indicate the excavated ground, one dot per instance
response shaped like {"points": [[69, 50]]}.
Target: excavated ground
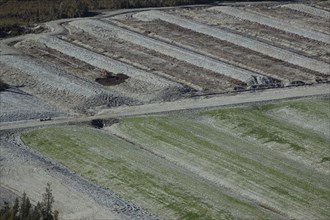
{"points": [[294, 17], [272, 36], [325, 5], [160, 64], [223, 50]]}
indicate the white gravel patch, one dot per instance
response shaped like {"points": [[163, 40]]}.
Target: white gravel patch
{"points": [[239, 40], [105, 31], [18, 105], [274, 23], [308, 10], [142, 85]]}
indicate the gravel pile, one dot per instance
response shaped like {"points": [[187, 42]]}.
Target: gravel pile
{"points": [[239, 40], [18, 105], [105, 31], [308, 10], [141, 85], [274, 23], [56, 85]]}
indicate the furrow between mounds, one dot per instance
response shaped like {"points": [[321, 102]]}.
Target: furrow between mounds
{"points": [[102, 30], [274, 23], [308, 10], [57, 86], [242, 41], [140, 85]]}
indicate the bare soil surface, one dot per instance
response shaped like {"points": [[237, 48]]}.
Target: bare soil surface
{"points": [[53, 84], [225, 51], [104, 30], [275, 22], [160, 64], [309, 10], [325, 5], [294, 17], [263, 33], [141, 85], [250, 43]]}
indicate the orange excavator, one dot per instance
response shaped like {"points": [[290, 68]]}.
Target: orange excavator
{"points": [[105, 74]]}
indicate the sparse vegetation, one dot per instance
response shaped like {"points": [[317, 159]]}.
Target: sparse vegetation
{"points": [[183, 167], [25, 211]]}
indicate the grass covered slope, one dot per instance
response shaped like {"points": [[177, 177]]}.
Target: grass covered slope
{"points": [[136, 174], [252, 162]]}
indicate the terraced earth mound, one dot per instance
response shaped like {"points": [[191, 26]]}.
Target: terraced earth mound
{"points": [[171, 54]]}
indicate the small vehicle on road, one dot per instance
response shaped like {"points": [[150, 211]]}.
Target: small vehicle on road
{"points": [[46, 119]]}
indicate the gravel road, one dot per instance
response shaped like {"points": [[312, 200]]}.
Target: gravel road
{"points": [[240, 40], [186, 104]]}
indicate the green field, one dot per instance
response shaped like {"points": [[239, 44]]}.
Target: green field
{"points": [[259, 162]]}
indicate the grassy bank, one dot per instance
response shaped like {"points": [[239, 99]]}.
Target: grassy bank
{"points": [[232, 163]]}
